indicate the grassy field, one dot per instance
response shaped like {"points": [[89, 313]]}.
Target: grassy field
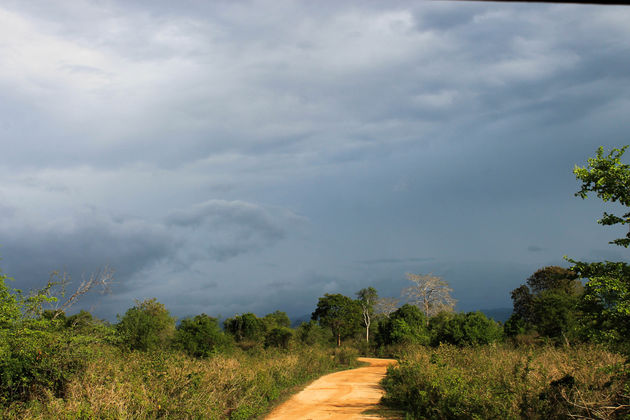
{"points": [[134, 385], [504, 382]]}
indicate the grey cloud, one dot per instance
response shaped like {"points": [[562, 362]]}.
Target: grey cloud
{"points": [[227, 229], [395, 260], [307, 101], [222, 212], [535, 248], [142, 111], [139, 251], [81, 245]]}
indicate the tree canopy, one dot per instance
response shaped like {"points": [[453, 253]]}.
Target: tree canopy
{"points": [[547, 304], [339, 313], [609, 179], [430, 293], [147, 326], [606, 298]]}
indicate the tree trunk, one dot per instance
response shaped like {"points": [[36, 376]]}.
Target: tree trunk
{"points": [[338, 339]]}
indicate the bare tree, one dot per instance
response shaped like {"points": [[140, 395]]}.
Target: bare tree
{"points": [[386, 305], [430, 293], [101, 279], [367, 299]]}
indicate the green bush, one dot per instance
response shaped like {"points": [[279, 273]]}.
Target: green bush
{"points": [[311, 333], [279, 337], [146, 326], [9, 306], [246, 328], [37, 356], [465, 329], [346, 356], [200, 336], [406, 325], [276, 319], [34, 362]]}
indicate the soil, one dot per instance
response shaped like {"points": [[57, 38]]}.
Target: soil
{"points": [[350, 394]]}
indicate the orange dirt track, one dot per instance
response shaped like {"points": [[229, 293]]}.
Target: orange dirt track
{"points": [[341, 395]]}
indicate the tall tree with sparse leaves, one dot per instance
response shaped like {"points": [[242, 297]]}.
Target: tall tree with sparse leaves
{"points": [[429, 293], [367, 298]]}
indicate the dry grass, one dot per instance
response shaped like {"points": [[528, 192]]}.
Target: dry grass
{"points": [[506, 382], [118, 385]]}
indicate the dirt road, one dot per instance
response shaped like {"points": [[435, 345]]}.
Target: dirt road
{"points": [[340, 395]]}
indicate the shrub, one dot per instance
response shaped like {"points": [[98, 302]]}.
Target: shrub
{"points": [[146, 326], [80, 321], [279, 337], [276, 319], [472, 328], [346, 355], [405, 325], [9, 306], [311, 333], [501, 382], [246, 328], [34, 362], [200, 336], [150, 385]]}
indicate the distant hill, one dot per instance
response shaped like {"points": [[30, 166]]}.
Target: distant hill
{"points": [[498, 314]]}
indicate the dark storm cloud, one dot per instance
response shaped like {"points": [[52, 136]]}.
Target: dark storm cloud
{"points": [[179, 141], [220, 212], [216, 230], [80, 245], [227, 229]]}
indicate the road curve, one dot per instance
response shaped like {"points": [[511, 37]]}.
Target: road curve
{"points": [[340, 395]]}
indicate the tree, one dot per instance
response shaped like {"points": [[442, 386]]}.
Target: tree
{"points": [[14, 305], [367, 298], [79, 321], [405, 325], [467, 329], [605, 304], [146, 326], [311, 333], [547, 303], [339, 313], [385, 306], [279, 337], [606, 298], [100, 279], [246, 327], [200, 336], [277, 319], [430, 293], [609, 179]]}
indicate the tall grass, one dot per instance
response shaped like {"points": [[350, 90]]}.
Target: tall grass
{"points": [[125, 385], [503, 382]]}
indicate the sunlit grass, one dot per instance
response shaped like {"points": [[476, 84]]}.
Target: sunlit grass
{"points": [[125, 385], [506, 382]]}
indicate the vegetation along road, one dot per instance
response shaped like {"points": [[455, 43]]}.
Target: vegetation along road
{"points": [[341, 395]]}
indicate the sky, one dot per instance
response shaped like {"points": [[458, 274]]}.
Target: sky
{"points": [[235, 156]]}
